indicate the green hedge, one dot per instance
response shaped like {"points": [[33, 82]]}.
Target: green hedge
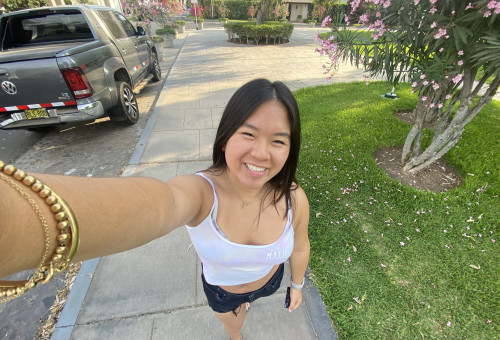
{"points": [[336, 11], [269, 32]]}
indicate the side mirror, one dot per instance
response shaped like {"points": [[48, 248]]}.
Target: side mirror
{"points": [[140, 30]]}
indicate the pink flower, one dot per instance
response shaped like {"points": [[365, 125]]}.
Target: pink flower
{"points": [[469, 6], [363, 19], [416, 2], [433, 1], [460, 62], [460, 52], [424, 98], [402, 244], [440, 33], [354, 5], [326, 22], [487, 14], [434, 24], [422, 76], [458, 78], [414, 84], [440, 105], [433, 10], [448, 324], [378, 15], [441, 49], [346, 18], [435, 86], [493, 4]]}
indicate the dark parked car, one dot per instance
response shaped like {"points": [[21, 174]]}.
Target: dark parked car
{"points": [[71, 64]]}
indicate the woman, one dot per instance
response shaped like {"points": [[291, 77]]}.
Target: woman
{"points": [[245, 215]]}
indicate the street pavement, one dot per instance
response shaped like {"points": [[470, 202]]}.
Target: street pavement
{"points": [[154, 291]]}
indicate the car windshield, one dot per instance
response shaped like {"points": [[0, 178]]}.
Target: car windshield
{"points": [[50, 27]]}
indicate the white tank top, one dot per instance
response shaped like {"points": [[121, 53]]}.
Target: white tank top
{"points": [[226, 263]]}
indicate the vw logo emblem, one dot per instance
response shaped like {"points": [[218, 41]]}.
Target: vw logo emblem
{"points": [[9, 87]]}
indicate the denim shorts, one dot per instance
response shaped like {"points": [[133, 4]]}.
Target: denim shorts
{"points": [[222, 301]]}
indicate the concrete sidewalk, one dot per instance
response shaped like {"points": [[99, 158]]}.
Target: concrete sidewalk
{"points": [[154, 292]]}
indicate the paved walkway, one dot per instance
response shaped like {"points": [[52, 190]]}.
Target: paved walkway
{"points": [[154, 292]]}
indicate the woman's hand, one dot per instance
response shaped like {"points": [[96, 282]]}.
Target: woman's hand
{"points": [[295, 299]]}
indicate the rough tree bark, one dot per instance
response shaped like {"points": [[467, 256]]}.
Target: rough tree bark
{"points": [[450, 126], [262, 10]]}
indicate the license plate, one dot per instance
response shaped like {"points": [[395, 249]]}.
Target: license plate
{"points": [[36, 113]]}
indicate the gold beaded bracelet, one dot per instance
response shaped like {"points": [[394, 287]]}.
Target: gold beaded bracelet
{"points": [[67, 238]]}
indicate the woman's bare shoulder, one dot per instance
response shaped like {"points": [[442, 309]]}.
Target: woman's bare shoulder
{"points": [[300, 204], [192, 193], [298, 194]]}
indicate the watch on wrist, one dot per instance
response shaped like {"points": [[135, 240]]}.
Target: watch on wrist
{"points": [[296, 286]]}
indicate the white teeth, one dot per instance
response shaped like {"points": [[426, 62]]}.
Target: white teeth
{"points": [[254, 168]]}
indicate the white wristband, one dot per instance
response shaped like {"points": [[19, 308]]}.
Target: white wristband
{"points": [[296, 286]]}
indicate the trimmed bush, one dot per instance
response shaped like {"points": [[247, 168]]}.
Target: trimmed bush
{"points": [[269, 32], [165, 31]]}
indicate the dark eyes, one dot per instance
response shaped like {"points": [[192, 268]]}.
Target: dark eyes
{"points": [[249, 134]]}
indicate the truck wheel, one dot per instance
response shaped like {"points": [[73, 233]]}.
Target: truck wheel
{"points": [[155, 68], [127, 108]]}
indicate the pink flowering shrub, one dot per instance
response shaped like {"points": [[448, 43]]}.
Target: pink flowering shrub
{"points": [[281, 11], [251, 11], [152, 11], [439, 46], [196, 11], [317, 12]]}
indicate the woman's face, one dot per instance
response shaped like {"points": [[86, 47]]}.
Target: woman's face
{"points": [[258, 150]]}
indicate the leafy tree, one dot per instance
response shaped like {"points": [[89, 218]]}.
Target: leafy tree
{"points": [[437, 45], [16, 5], [262, 10]]}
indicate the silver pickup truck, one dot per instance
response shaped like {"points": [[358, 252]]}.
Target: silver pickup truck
{"points": [[71, 64]]}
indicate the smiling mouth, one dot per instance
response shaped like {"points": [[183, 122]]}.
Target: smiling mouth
{"points": [[254, 168]]}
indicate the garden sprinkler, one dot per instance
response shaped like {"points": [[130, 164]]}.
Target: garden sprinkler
{"points": [[391, 95]]}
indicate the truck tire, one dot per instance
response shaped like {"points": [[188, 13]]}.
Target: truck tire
{"points": [[155, 68], [127, 109]]}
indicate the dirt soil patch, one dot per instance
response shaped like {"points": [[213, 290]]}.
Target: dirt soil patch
{"points": [[408, 117], [437, 178]]}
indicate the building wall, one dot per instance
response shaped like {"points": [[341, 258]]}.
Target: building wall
{"points": [[296, 9]]}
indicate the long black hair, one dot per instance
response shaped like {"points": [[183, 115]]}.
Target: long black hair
{"points": [[242, 104]]}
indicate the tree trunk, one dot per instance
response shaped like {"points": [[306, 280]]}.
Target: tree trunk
{"points": [[448, 132], [262, 10]]}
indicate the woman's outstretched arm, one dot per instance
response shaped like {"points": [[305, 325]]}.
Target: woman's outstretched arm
{"points": [[300, 255], [113, 214]]}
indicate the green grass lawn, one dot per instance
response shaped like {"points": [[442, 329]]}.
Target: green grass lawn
{"points": [[391, 261]]}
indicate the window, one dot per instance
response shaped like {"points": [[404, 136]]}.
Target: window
{"points": [[127, 26], [113, 25], [49, 27]]}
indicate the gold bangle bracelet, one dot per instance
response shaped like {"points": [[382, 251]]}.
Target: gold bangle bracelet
{"points": [[67, 238]]}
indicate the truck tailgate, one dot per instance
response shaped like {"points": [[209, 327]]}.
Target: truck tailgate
{"points": [[32, 82]]}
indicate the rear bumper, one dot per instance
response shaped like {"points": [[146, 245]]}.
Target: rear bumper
{"points": [[74, 114]]}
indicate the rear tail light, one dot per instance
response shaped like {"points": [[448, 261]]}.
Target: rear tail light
{"points": [[77, 82]]}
